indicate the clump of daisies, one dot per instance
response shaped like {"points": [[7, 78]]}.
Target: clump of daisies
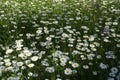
{"points": [[59, 40]]}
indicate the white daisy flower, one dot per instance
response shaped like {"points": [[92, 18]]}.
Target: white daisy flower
{"points": [[8, 51], [27, 52], [109, 78], [8, 63], [103, 66], [34, 58], [91, 38], [31, 65], [19, 63], [68, 71], [50, 69], [85, 66], [19, 44], [62, 64], [75, 65], [114, 70], [63, 60], [30, 74], [58, 79]]}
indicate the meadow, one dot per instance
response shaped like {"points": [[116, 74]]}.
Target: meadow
{"points": [[59, 40]]}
